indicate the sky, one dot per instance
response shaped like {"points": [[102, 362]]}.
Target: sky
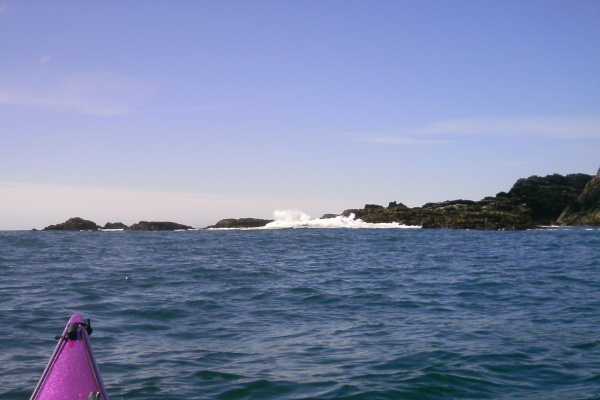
{"points": [[195, 111]]}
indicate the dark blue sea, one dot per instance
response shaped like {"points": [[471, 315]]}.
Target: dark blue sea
{"points": [[310, 313]]}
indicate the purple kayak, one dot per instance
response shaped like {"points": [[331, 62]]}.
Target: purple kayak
{"points": [[72, 372]]}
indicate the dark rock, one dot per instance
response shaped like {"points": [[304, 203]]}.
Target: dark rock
{"points": [[394, 204], [548, 196], [458, 214], [531, 202], [487, 214], [74, 224], [453, 204], [158, 226], [585, 210], [240, 223], [329, 216], [115, 225]]}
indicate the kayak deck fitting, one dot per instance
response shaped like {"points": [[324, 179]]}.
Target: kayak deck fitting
{"points": [[72, 372]]}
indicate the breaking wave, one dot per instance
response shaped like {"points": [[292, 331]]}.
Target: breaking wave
{"points": [[297, 219]]}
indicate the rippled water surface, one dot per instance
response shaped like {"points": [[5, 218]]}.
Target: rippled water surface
{"points": [[310, 313]]}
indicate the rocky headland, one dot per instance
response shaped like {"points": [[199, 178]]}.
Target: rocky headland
{"points": [[585, 210], [532, 202]]}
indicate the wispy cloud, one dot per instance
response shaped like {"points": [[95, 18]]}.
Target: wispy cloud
{"points": [[588, 149], [563, 127], [98, 93], [45, 59], [285, 94], [515, 163], [267, 97], [392, 139], [559, 127]]}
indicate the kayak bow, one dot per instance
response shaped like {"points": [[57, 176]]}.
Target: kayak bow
{"points": [[72, 372]]}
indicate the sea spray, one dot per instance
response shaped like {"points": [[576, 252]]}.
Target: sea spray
{"points": [[285, 219]]}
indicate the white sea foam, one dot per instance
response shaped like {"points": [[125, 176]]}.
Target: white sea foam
{"points": [[297, 219]]}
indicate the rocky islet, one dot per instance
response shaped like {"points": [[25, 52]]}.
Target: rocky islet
{"points": [[80, 224]]}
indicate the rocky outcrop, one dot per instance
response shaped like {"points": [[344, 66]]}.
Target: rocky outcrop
{"points": [[115, 225], [488, 214], [158, 226], [549, 196], [240, 223], [531, 202], [329, 216], [80, 224], [74, 224], [585, 210]]}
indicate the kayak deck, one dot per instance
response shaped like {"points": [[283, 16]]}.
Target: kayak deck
{"points": [[72, 372]]}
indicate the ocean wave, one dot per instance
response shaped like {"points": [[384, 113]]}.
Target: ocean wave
{"points": [[285, 219]]}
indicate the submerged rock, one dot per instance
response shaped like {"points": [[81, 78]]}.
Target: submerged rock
{"points": [[158, 226], [74, 224], [240, 223]]}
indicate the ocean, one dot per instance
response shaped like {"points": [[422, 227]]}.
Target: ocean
{"points": [[310, 313]]}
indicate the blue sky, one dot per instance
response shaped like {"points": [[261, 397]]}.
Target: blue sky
{"points": [[195, 111]]}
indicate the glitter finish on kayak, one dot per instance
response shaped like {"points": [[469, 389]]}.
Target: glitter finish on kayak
{"points": [[71, 373]]}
